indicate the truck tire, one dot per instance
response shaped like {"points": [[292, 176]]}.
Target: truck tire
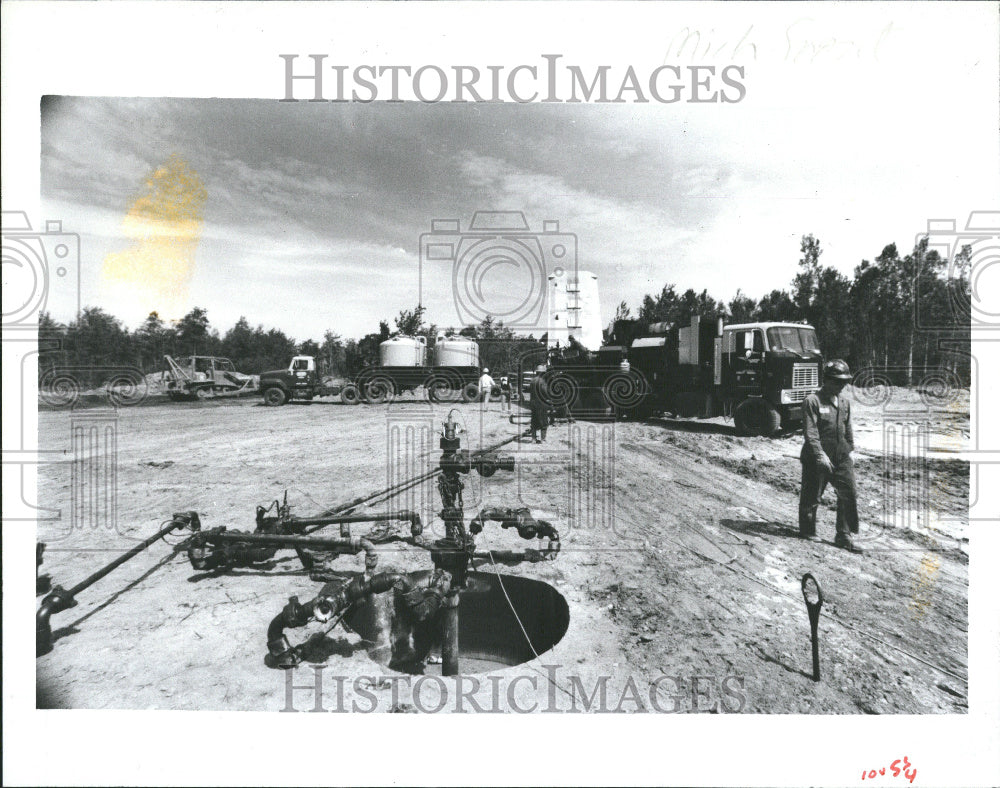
{"points": [[755, 417], [350, 395], [470, 392], [442, 387], [380, 390], [275, 396]]}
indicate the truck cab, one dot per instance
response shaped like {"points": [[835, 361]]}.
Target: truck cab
{"points": [[767, 370], [300, 380], [301, 366]]}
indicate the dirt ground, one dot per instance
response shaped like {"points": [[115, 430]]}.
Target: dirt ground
{"points": [[680, 563]]}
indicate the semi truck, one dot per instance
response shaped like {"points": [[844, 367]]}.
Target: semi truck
{"points": [[452, 374], [756, 373]]}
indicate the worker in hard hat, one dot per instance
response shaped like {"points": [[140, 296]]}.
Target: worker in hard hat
{"points": [[826, 456], [485, 386], [505, 392], [540, 404]]}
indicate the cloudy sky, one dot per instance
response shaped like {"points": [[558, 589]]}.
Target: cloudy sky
{"points": [[312, 213]]}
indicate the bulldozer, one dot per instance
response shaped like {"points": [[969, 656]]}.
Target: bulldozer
{"points": [[203, 377]]}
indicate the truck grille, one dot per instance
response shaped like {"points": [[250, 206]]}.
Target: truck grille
{"points": [[805, 376], [797, 395]]}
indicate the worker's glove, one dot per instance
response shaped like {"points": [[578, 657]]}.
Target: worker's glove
{"points": [[824, 464]]}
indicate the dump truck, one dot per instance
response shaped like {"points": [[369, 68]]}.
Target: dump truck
{"points": [[756, 373], [202, 377]]}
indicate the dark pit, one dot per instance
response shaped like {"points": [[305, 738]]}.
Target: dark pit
{"points": [[489, 636]]}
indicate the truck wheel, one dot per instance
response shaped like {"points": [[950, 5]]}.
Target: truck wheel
{"points": [[350, 395], [470, 392], [755, 417], [380, 390], [275, 396], [443, 387]]}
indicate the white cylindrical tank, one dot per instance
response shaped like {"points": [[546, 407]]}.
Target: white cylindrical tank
{"points": [[402, 352], [574, 309], [456, 352]]}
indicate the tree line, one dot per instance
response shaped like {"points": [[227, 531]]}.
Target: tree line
{"points": [[908, 315], [97, 342], [869, 320]]}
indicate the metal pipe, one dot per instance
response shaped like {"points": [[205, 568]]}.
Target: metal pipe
{"points": [[422, 602], [295, 614], [449, 634], [59, 599], [353, 543], [405, 485], [316, 523]]}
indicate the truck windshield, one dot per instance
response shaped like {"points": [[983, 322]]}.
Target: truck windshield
{"points": [[798, 340]]}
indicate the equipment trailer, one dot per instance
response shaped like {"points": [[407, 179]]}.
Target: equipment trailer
{"points": [[376, 385]]}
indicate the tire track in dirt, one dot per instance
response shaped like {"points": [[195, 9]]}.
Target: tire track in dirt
{"points": [[716, 493]]}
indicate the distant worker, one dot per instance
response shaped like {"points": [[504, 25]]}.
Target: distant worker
{"points": [[504, 393], [539, 404], [826, 456], [485, 386]]}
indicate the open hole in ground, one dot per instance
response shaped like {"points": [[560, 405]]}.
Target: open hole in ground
{"points": [[489, 636]]}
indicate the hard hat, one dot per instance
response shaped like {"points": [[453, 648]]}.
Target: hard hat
{"points": [[485, 370], [837, 369], [540, 368]]}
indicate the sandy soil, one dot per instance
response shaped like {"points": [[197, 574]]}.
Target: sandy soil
{"points": [[680, 563]]}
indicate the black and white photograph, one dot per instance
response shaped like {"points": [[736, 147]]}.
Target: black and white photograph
{"points": [[542, 361]]}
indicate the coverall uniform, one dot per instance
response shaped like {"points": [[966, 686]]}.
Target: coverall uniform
{"points": [[827, 428], [486, 387], [505, 394], [539, 407]]}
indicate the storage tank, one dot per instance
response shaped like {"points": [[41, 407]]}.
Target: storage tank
{"points": [[456, 352], [402, 352], [574, 309]]}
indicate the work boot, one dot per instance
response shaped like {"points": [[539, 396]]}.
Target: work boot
{"points": [[844, 541]]}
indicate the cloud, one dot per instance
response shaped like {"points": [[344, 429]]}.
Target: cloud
{"points": [[313, 213]]}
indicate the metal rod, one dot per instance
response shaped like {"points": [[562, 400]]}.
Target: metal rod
{"points": [[59, 599], [815, 643], [126, 556], [813, 595]]}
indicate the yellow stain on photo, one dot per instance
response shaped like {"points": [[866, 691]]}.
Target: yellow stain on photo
{"points": [[165, 222]]}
